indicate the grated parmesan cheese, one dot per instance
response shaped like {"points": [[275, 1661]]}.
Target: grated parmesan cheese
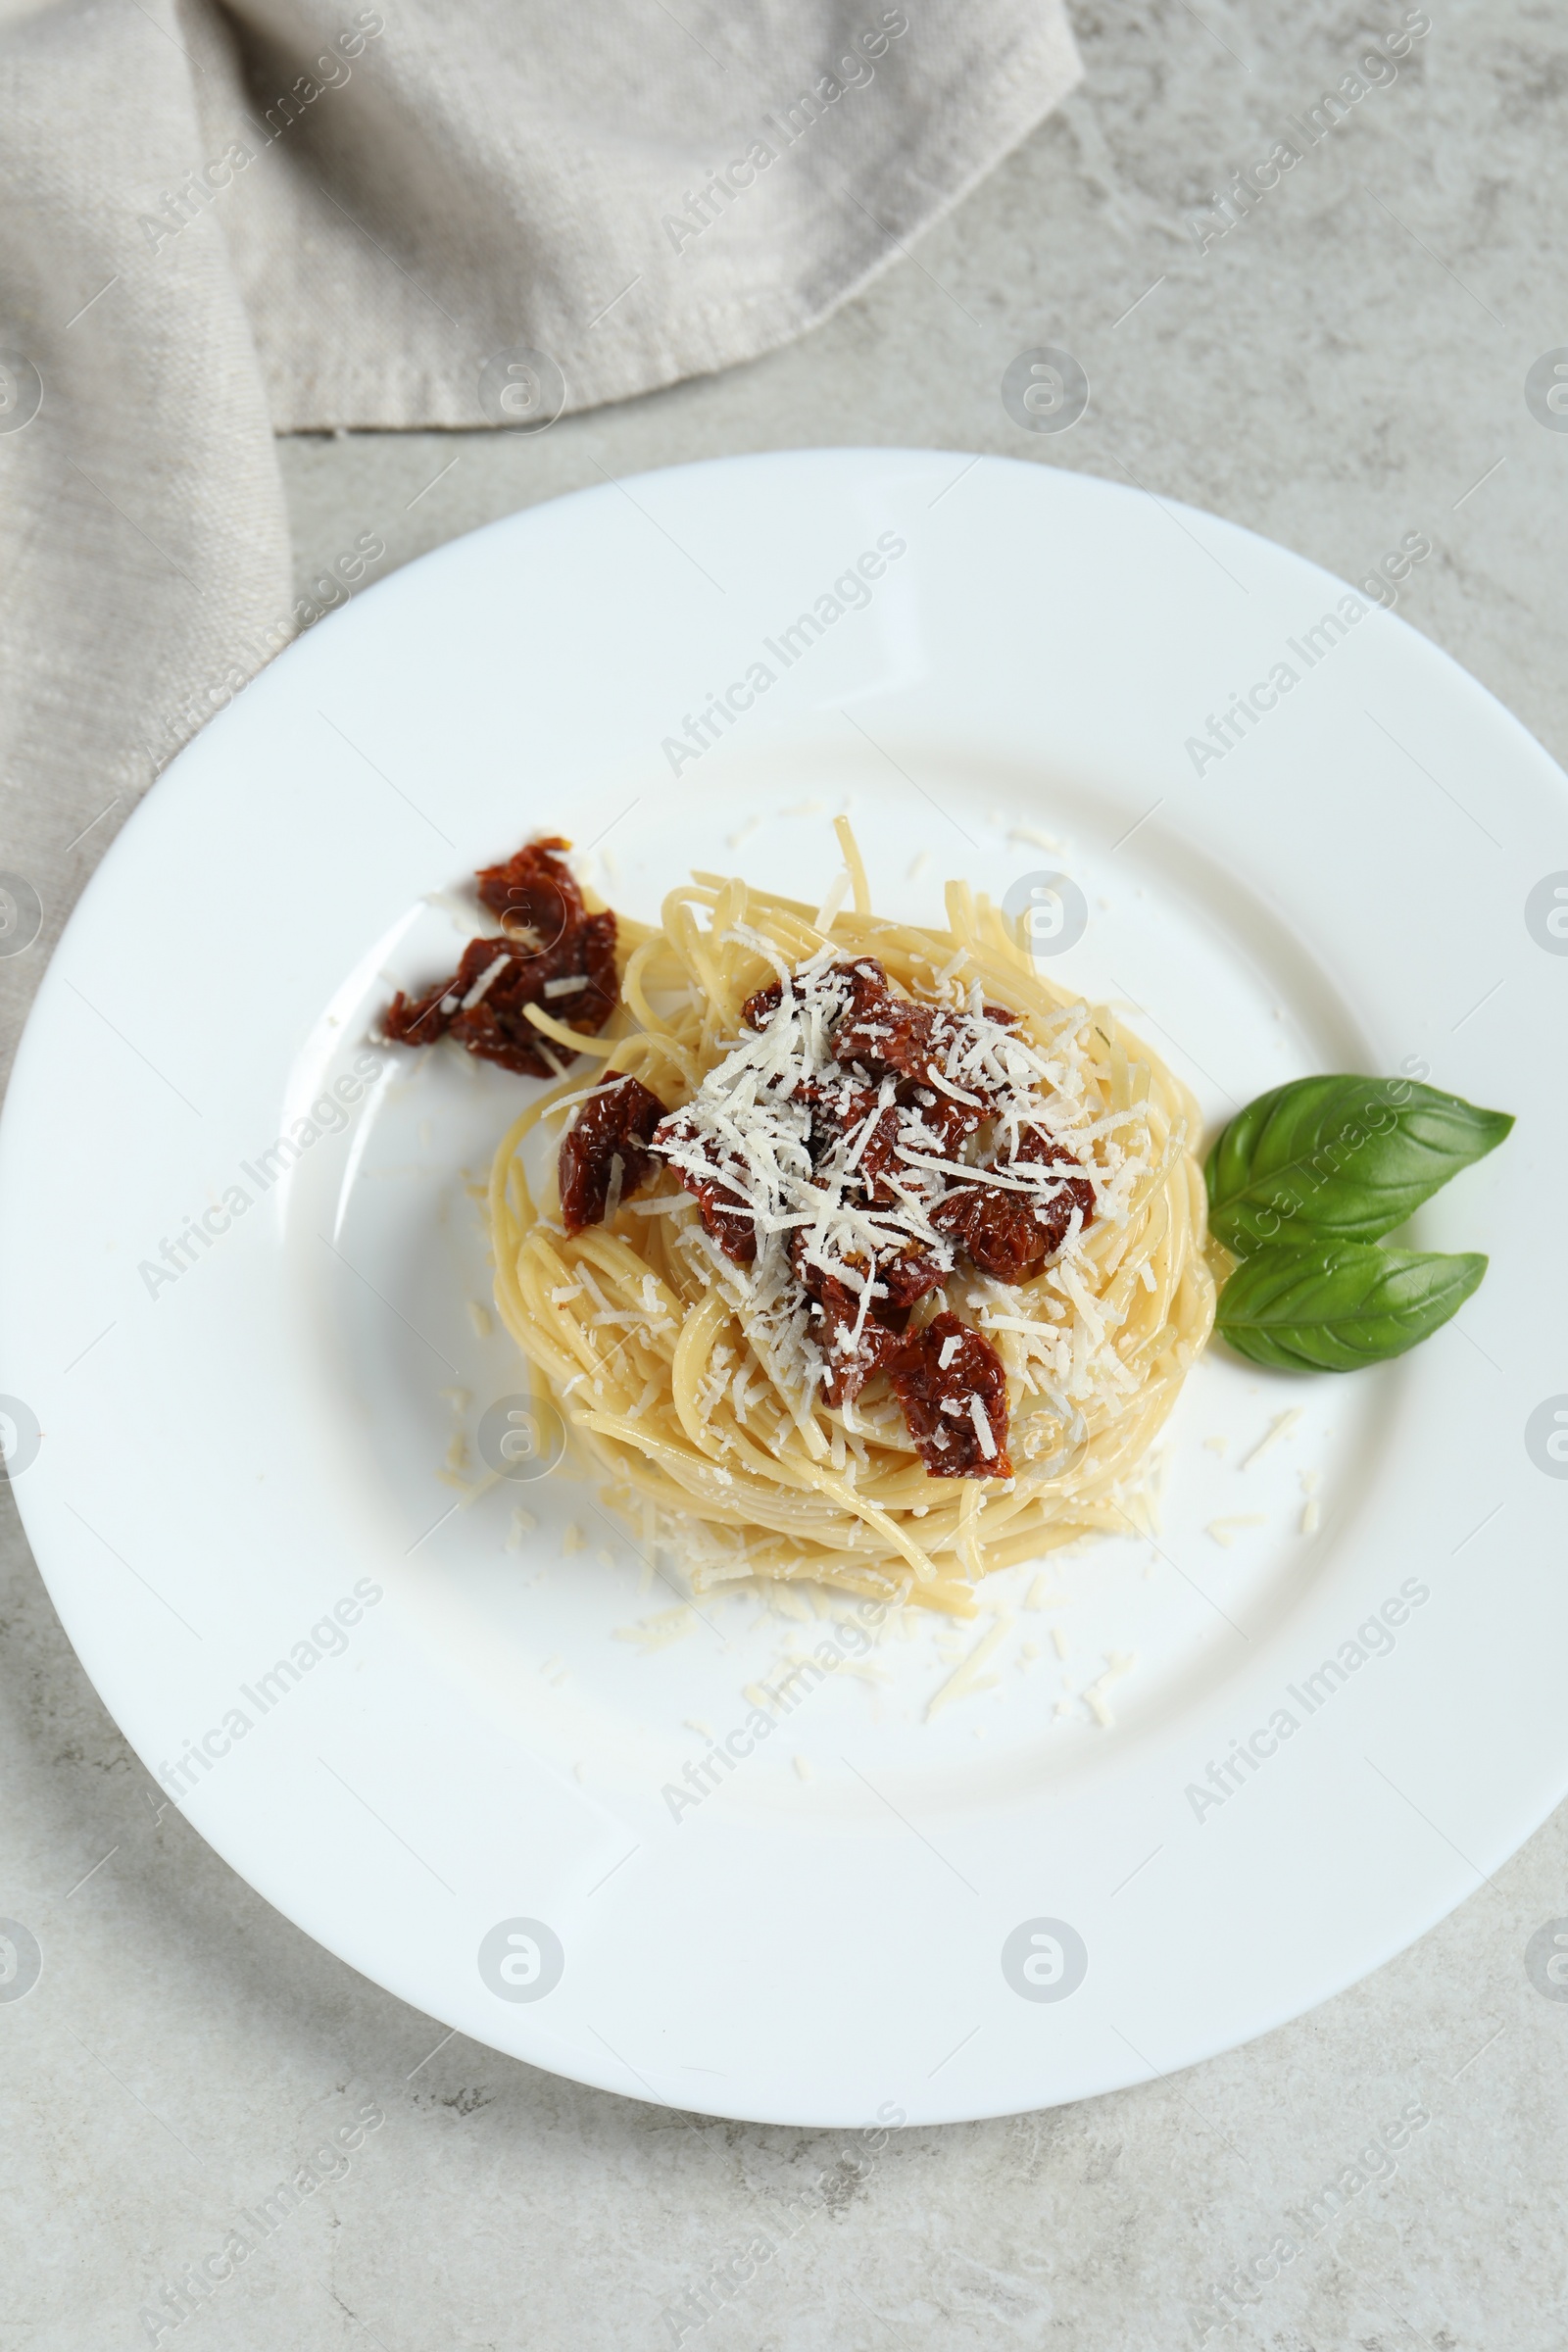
{"points": [[1310, 1508], [786, 1603], [1041, 1598], [1279, 1427], [1116, 1665], [747, 1132], [966, 1680], [491, 973], [1225, 1531], [651, 1634]]}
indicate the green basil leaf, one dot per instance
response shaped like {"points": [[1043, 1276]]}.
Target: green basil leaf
{"points": [[1333, 1307], [1347, 1157]]}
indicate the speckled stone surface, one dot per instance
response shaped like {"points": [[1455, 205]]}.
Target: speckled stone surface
{"points": [[1341, 366]]}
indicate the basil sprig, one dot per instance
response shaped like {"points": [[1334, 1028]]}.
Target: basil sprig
{"points": [[1302, 1185], [1348, 1156], [1337, 1306]]}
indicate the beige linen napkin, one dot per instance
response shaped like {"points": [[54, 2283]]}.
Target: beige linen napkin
{"points": [[217, 224]]}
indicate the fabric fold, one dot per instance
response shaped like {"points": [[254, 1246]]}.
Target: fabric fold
{"points": [[305, 215]]}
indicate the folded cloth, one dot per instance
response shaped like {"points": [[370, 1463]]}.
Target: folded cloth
{"points": [[292, 215]]}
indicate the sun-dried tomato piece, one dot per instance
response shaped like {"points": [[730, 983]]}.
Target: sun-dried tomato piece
{"points": [[884, 1035], [900, 1277], [759, 1008], [867, 983], [939, 1400], [840, 1116], [534, 893], [420, 1020], [1011, 1234], [1038, 1148], [998, 1229], [847, 1362], [498, 1027], [495, 1026], [907, 1274], [1041, 1149], [1008, 1234], [949, 1124], [615, 1125], [720, 1195], [485, 965], [484, 1004]]}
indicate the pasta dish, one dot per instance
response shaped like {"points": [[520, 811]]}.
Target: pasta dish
{"points": [[867, 1256]]}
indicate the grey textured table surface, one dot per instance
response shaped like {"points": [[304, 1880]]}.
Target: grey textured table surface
{"points": [[1345, 365]]}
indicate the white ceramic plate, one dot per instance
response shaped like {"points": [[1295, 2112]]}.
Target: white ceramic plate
{"points": [[485, 1735]]}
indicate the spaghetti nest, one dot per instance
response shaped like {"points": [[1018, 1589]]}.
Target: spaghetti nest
{"points": [[715, 1436]]}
